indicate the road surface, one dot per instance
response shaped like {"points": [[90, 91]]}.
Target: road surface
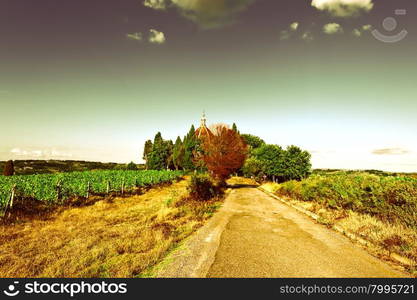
{"points": [[254, 235]]}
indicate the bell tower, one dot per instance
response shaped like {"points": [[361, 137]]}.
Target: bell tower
{"points": [[203, 120]]}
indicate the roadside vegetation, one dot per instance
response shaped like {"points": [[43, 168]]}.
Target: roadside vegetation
{"points": [[378, 208]]}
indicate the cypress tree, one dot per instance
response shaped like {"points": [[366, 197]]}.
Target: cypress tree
{"points": [[146, 150], [158, 156], [169, 160], [190, 145], [177, 154]]}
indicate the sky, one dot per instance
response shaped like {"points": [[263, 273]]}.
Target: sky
{"points": [[92, 80]]}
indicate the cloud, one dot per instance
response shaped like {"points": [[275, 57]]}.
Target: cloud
{"points": [[332, 28], [390, 151], [40, 153], [358, 32], [137, 36], [288, 33], [207, 13], [294, 26], [156, 37], [284, 35], [366, 27], [156, 4], [307, 36], [343, 8]]}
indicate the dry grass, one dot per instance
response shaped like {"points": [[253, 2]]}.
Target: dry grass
{"points": [[241, 181], [385, 238], [270, 187], [117, 238]]}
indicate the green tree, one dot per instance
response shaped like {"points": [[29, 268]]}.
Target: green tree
{"points": [[146, 150], [158, 157], [234, 127], [253, 141], [131, 166], [169, 148], [270, 157], [178, 154], [252, 167], [296, 164], [190, 146]]}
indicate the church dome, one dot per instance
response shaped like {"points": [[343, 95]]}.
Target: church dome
{"points": [[203, 131]]}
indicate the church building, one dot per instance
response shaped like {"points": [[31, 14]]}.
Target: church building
{"points": [[203, 130]]}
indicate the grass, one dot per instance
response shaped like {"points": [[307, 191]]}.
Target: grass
{"points": [[391, 199], [122, 237], [385, 235]]}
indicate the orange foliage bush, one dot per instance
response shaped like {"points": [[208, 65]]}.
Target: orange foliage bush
{"points": [[224, 152]]}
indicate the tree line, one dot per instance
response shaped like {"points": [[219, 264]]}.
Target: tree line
{"points": [[161, 154], [228, 152], [266, 161]]}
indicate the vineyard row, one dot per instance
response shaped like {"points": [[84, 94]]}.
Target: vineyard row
{"points": [[55, 188]]}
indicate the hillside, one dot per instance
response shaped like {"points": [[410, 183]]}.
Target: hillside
{"points": [[29, 167]]}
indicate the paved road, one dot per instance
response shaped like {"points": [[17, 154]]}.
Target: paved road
{"points": [[254, 235]]}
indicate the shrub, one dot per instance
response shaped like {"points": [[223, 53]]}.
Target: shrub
{"points": [[252, 167], [202, 188], [131, 166], [392, 199], [8, 168], [224, 152]]}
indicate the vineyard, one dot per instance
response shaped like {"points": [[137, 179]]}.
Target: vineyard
{"points": [[56, 188]]}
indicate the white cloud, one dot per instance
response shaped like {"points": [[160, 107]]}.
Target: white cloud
{"points": [[137, 36], [156, 4], [40, 153], [288, 33], [343, 8], [307, 36], [358, 32], [294, 26], [332, 28], [367, 27], [156, 37], [390, 151], [206, 13]]}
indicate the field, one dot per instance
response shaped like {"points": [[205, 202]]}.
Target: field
{"points": [[380, 209], [57, 188], [114, 237]]}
